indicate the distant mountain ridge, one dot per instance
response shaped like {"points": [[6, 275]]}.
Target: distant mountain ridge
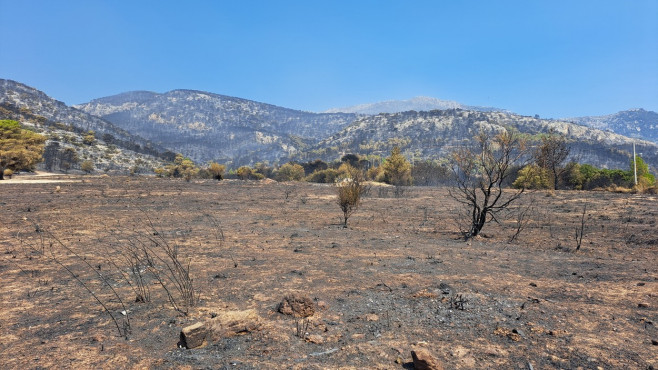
{"points": [[418, 103], [235, 131], [207, 126], [636, 123], [436, 133]]}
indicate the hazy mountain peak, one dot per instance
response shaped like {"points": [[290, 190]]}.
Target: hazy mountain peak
{"points": [[418, 103]]}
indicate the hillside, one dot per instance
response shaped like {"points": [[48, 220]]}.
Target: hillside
{"points": [[418, 103], [206, 126], [434, 134], [113, 149], [635, 123]]}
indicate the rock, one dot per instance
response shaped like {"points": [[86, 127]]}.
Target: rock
{"points": [[372, 317], [299, 306], [423, 360], [654, 342], [446, 288], [315, 338], [193, 336], [643, 305], [230, 323]]}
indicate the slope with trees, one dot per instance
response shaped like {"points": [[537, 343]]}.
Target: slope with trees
{"points": [[20, 149]]}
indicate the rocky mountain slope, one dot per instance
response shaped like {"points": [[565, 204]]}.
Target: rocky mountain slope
{"points": [[434, 134], [419, 103], [206, 126], [635, 123], [112, 148]]}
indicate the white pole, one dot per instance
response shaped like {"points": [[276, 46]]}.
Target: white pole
{"points": [[634, 164]]}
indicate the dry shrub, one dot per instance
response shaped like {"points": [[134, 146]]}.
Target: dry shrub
{"points": [[620, 189], [651, 190], [349, 191]]}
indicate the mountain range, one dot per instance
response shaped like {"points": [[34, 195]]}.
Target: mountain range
{"points": [[636, 123], [206, 126]]}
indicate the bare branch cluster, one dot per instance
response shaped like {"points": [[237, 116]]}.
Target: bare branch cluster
{"points": [[480, 174]]}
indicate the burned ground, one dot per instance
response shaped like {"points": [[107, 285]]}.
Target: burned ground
{"points": [[398, 278]]}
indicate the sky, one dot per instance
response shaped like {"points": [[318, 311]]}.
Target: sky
{"points": [[554, 58]]}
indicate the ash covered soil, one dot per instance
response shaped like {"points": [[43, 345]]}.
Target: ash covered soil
{"points": [[398, 278]]}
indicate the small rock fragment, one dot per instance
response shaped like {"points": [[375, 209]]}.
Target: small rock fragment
{"points": [[372, 317], [643, 305], [654, 342], [193, 336], [315, 338], [423, 360]]}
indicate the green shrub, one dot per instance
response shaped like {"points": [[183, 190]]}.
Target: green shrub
{"points": [[532, 177], [327, 176], [290, 172]]}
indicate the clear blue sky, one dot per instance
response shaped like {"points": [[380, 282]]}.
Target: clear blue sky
{"points": [[554, 58]]}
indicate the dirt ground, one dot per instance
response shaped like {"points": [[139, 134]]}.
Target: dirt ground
{"points": [[397, 279]]}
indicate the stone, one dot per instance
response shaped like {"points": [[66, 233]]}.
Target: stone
{"points": [[315, 338], [296, 305], [423, 360], [193, 336], [372, 317], [229, 323], [643, 305]]}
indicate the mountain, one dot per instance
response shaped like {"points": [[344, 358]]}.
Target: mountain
{"points": [[65, 127], [435, 134], [206, 126], [635, 123], [419, 103]]}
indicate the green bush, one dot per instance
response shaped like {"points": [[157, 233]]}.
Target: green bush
{"points": [[532, 177], [290, 172], [327, 176]]}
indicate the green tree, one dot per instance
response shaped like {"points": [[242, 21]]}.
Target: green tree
{"points": [[19, 148], [243, 173], [644, 178], [397, 170], [290, 172], [532, 177], [216, 170], [181, 167], [550, 155]]}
